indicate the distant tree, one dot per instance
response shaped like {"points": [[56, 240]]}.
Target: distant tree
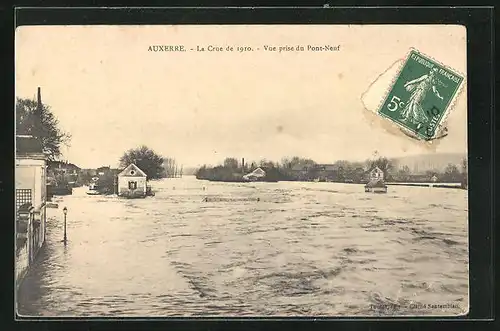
{"points": [[169, 167], [297, 162], [41, 123], [286, 163], [231, 163], [345, 170], [305, 166], [201, 173], [452, 174], [403, 173], [356, 165], [266, 164], [106, 181], [464, 173], [146, 159]]}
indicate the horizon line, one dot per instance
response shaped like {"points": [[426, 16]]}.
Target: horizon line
{"points": [[107, 164]]}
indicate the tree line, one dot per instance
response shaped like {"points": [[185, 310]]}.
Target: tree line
{"points": [[39, 121], [304, 169]]}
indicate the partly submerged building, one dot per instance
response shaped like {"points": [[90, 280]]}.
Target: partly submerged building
{"points": [[63, 167], [376, 174], [257, 174], [31, 196], [132, 182], [376, 182]]}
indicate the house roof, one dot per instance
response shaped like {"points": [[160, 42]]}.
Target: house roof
{"points": [[327, 167], [63, 164], [28, 145], [257, 173], [376, 169], [132, 171]]}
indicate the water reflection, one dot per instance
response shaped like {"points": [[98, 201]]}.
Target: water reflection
{"points": [[300, 249]]}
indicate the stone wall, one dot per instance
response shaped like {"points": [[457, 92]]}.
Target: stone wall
{"points": [[22, 263]]}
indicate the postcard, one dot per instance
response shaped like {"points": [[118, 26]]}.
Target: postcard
{"points": [[241, 171]]}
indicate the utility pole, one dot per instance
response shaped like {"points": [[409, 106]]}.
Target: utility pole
{"points": [[65, 211]]}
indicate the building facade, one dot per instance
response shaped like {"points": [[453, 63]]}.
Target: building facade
{"points": [[376, 183], [132, 182], [376, 174], [30, 188], [31, 198]]}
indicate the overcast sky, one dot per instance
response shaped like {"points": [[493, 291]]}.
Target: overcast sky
{"points": [[111, 94]]}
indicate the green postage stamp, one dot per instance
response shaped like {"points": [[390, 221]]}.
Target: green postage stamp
{"points": [[421, 96]]}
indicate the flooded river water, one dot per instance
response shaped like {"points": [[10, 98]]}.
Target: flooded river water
{"points": [[254, 249]]}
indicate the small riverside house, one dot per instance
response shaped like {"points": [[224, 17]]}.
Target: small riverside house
{"points": [[255, 175], [132, 182], [376, 174], [376, 183]]}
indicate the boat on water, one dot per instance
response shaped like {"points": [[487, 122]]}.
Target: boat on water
{"points": [[93, 189], [149, 192]]}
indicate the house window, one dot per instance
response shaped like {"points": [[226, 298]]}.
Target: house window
{"points": [[23, 197], [132, 172], [132, 185]]}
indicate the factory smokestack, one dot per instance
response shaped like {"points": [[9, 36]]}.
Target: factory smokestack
{"points": [[39, 99], [37, 120]]}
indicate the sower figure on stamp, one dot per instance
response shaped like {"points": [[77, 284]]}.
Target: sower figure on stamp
{"points": [[419, 88]]}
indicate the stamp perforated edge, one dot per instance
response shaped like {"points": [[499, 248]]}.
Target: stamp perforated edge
{"points": [[449, 108]]}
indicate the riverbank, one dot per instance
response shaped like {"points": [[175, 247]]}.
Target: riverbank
{"points": [[437, 185]]}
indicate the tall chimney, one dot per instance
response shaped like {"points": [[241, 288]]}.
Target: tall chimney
{"points": [[38, 114], [39, 99], [243, 164]]}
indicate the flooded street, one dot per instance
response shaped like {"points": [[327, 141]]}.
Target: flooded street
{"points": [[287, 248]]}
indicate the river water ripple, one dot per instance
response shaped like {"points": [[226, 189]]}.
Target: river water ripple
{"points": [[254, 249]]}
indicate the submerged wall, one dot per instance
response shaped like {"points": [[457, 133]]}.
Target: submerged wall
{"points": [[123, 187], [22, 263]]}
